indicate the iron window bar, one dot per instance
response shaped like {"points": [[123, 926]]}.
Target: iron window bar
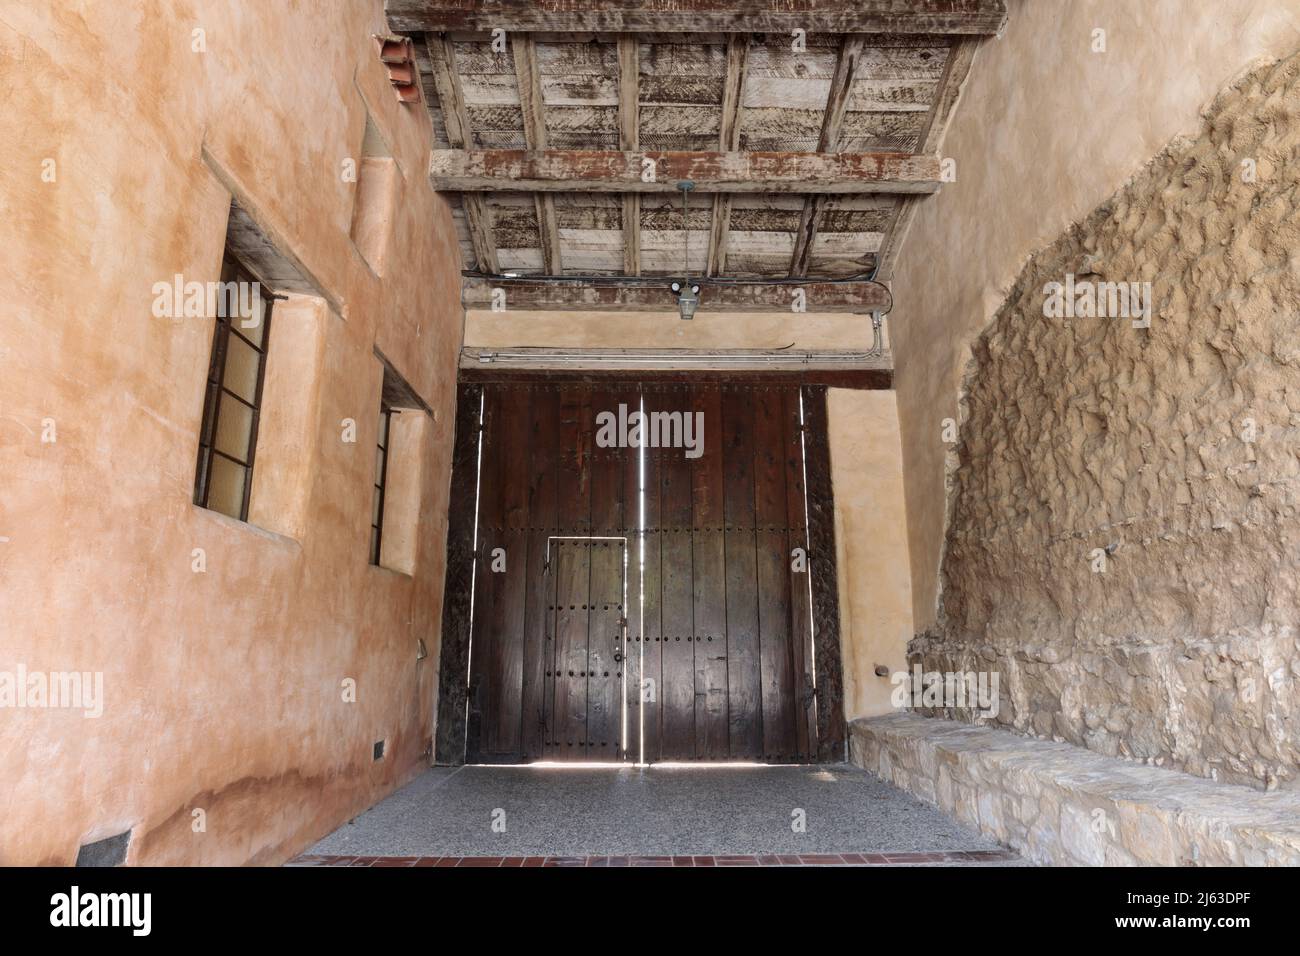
{"points": [[381, 482], [217, 391]]}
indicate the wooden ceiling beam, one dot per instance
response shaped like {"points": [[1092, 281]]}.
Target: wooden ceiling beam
{"points": [[809, 219], [478, 218], [731, 297], [976, 17], [834, 375], [955, 72], [733, 97], [837, 101], [629, 139], [533, 109], [488, 170]]}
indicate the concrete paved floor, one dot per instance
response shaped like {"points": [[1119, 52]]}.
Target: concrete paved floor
{"points": [[656, 811]]}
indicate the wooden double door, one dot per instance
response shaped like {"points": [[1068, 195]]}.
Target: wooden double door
{"points": [[636, 595]]}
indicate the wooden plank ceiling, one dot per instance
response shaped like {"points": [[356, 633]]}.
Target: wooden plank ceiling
{"points": [[809, 157]]}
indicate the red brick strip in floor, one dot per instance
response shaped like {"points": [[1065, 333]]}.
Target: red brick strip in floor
{"points": [[815, 859]]}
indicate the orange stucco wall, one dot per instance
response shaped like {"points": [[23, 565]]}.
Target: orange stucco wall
{"points": [[223, 689]]}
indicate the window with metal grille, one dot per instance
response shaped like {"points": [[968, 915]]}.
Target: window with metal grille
{"points": [[232, 404], [400, 440], [381, 480]]}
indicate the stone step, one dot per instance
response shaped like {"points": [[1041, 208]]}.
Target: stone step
{"points": [[1063, 805]]}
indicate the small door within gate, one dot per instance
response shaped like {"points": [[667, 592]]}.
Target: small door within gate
{"points": [[622, 597], [584, 699]]}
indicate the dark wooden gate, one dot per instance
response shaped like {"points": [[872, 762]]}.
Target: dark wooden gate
{"points": [[701, 639]]}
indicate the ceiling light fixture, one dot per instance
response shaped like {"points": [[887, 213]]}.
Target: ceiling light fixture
{"points": [[686, 290]]}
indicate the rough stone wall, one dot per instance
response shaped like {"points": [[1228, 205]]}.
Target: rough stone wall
{"points": [[1173, 449], [1045, 131]]}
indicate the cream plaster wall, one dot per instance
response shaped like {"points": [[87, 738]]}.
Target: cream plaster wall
{"points": [[871, 545], [1045, 130], [223, 688], [708, 330]]}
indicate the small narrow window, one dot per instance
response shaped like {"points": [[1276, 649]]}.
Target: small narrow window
{"points": [[232, 404], [400, 447], [381, 479], [375, 202]]}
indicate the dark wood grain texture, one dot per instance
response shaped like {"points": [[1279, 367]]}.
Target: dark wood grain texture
{"points": [[822, 564], [449, 746], [728, 627], [835, 378]]}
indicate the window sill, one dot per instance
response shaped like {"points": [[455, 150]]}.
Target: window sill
{"points": [[224, 519], [393, 571]]}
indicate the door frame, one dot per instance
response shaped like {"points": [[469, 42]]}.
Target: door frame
{"points": [[450, 731]]}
